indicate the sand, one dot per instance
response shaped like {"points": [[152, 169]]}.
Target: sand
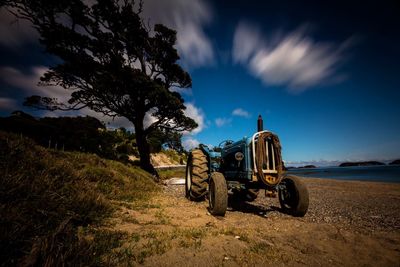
{"points": [[349, 223]]}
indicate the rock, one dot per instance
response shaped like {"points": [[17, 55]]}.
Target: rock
{"points": [[395, 162]]}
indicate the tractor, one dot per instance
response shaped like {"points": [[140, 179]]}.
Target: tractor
{"points": [[240, 170]]}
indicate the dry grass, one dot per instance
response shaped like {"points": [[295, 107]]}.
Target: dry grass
{"points": [[46, 196], [175, 173]]}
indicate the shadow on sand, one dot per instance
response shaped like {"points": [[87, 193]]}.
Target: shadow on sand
{"points": [[235, 204]]}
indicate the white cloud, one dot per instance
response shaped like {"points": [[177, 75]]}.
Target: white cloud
{"points": [[295, 60], [222, 121], [29, 82], [7, 104], [241, 113], [190, 143], [197, 115], [188, 18]]}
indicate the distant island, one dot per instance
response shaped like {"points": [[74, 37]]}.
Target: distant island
{"points": [[308, 167], [361, 163], [395, 162]]}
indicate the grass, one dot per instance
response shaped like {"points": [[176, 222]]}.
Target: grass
{"points": [[231, 231], [51, 203], [175, 173], [139, 247]]}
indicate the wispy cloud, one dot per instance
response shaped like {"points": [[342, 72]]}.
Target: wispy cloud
{"points": [[28, 82], [294, 60], [222, 121], [189, 19], [241, 113], [197, 115]]}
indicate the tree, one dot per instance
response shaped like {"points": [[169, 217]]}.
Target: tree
{"points": [[112, 61]]}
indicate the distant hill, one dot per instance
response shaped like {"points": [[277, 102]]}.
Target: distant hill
{"points": [[361, 163], [395, 162]]}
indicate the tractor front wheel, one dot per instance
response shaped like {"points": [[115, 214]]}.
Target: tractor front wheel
{"points": [[218, 194], [293, 196], [196, 176]]}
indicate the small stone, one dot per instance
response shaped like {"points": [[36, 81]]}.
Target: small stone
{"points": [[226, 258], [237, 237]]}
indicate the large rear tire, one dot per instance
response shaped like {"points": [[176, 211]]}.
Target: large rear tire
{"points": [[218, 195], [196, 181], [293, 196]]}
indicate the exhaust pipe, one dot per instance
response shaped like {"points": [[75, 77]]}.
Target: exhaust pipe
{"points": [[260, 126]]}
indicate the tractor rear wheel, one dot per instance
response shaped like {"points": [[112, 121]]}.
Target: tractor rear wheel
{"points": [[218, 195], [293, 196], [196, 175]]}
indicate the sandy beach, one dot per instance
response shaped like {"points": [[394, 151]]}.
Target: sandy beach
{"points": [[349, 223]]}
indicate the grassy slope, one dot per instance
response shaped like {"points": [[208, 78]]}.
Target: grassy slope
{"points": [[51, 203]]}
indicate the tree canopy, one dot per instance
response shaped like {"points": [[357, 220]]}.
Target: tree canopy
{"points": [[113, 61]]}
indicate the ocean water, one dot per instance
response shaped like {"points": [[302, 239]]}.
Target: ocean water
{"points": [[389, 173]]}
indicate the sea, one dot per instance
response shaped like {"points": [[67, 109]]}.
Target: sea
{"points": [[385, 173]]}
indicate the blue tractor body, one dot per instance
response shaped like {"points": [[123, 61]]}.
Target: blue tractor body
{"points": [[222, 159]]}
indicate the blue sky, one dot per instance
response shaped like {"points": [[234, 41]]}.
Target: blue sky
{"points": [[325, 77]]}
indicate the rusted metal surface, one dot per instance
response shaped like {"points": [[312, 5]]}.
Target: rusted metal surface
{"points": [[268, 153]]}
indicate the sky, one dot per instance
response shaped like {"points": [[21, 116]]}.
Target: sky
{"points": [[324, 75]]}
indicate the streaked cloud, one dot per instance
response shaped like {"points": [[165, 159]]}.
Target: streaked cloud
{"points": [[28, 82], [189, 143], [222, 121], [197, 115], [189, 19], [294, 60], [241, 113]]}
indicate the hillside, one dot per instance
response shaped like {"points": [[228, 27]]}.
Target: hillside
{"points": [[53, 203]]}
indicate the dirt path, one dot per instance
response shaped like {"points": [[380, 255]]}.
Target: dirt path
{"points": [[348, 224]]}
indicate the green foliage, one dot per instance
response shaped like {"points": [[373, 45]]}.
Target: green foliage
{"points": [[46, 195], [85, 134]]}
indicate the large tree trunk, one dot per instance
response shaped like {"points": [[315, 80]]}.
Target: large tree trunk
{"points": [[144, 149]]}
